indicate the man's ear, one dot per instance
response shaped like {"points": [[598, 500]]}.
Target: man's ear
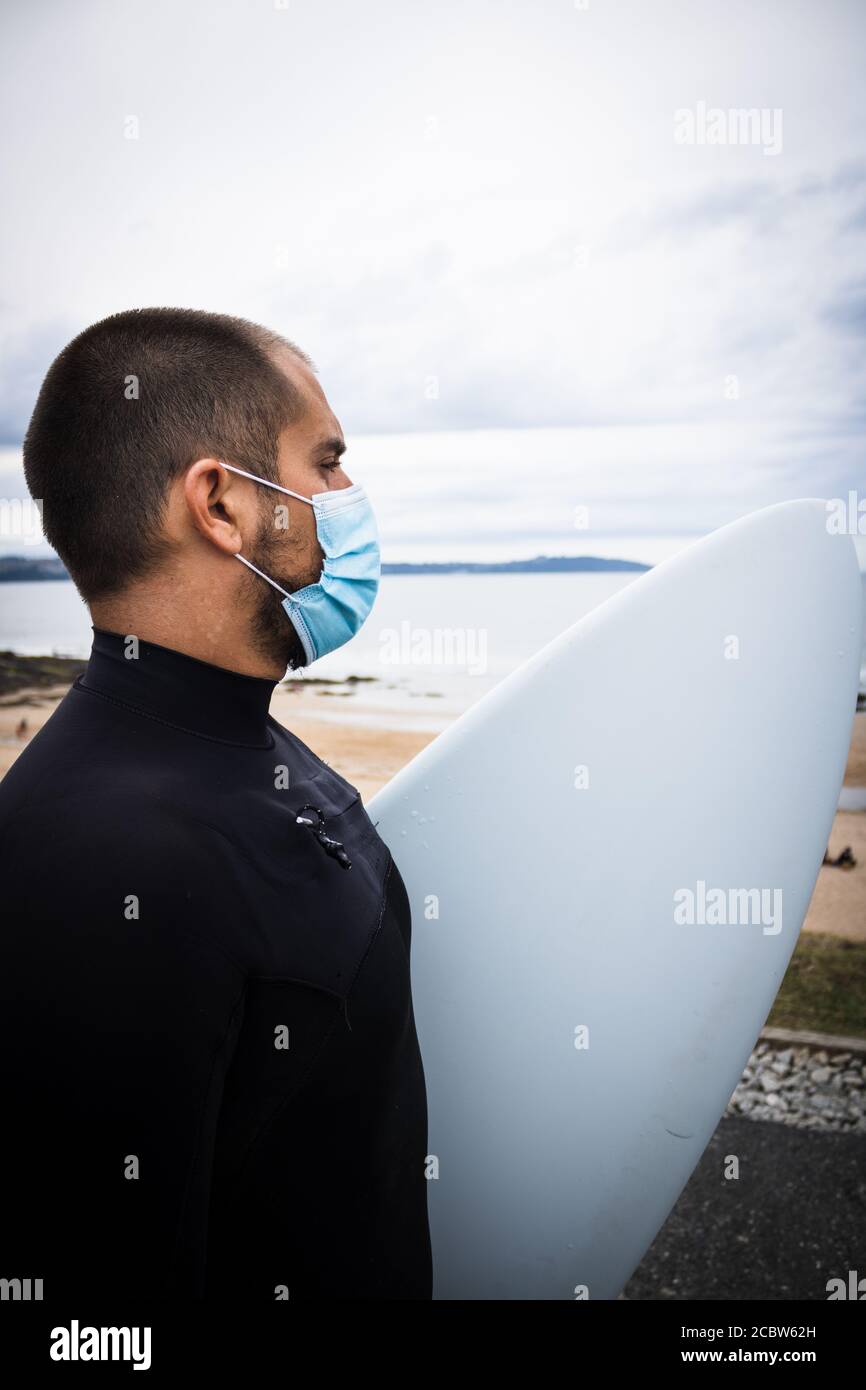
{"points": [[217, 504]]}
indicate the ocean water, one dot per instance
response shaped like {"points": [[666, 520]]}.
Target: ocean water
{"points": [[433, 644]]}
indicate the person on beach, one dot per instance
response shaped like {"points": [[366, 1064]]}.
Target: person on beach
{"points": [[211, 1081]]}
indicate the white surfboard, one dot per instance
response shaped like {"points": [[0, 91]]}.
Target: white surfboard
{"points": [[580, 1039]]}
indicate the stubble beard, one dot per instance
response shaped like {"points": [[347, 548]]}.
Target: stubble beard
{"points": [[273, 632]]}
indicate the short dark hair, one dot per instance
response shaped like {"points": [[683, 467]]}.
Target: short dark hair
{"points": [[127, 406]]}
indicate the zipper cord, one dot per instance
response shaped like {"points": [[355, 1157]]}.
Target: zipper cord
{"points": [[332, 847]]}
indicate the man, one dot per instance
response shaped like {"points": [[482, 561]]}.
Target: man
{"points": [[211, 1082]]}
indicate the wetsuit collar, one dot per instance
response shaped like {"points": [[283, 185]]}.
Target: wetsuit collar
{"points": [[180, 690]]}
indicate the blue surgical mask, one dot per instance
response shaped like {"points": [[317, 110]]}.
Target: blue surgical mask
{"points": [[328, 613]]}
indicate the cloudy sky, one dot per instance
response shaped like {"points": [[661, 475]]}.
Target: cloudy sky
{"points": [[529, 285]]}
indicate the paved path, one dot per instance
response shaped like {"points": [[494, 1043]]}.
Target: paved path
{"points": [[795, 1218]]}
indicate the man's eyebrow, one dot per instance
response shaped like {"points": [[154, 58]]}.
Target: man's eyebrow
{"points": [[335, 445]]}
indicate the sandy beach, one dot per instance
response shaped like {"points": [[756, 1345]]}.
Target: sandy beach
{"points": [[369, 755]]}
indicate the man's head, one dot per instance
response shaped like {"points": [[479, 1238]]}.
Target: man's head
{"points": [[123, 449]]}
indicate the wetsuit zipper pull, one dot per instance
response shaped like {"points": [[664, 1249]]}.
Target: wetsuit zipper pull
{"points": [[330, 846]]}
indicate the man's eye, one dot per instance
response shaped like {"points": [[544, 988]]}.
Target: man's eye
{"points": [[334, 463]]}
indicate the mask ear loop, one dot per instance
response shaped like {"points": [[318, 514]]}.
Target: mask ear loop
{"points": [[265, 483], [251, 566], [244, 474]]}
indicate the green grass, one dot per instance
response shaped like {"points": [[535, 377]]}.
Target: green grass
{"points": [[36, 672], [824, 988]]}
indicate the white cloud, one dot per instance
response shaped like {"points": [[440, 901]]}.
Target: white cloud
{"points": [[487, 194]]}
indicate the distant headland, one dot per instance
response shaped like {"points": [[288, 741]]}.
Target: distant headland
{"points": [[540, 564], [29, 569], [15, 568]]}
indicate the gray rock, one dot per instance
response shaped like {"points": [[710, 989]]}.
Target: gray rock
{"points": [[770, 1083], [809, 1090]]}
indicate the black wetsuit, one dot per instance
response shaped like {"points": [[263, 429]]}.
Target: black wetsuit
{"points": [[211, 1081]]}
